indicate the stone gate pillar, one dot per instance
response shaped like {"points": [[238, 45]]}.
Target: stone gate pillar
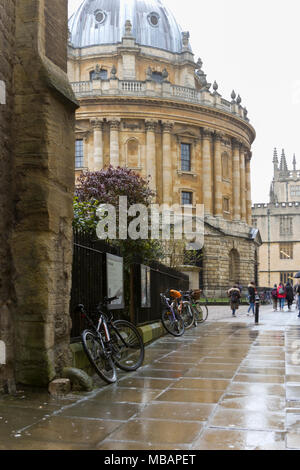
{"points": [[43, 187]]}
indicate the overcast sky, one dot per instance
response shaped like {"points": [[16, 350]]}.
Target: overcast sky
{"points": [[251, 46]]}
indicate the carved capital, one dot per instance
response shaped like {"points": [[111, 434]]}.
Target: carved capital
{"points": [[236, 144], [219, 136], [151, 126], [207, 133], [115, 124], [97, 124], [167, 126]]}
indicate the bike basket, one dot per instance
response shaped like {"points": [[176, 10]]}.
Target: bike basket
{"points": [[196, 294]]}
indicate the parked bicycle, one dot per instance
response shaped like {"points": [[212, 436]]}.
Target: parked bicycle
{"points": [[171, 316], [111, 343]]}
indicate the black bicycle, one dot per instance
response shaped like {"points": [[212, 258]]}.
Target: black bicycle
{"points": [[111, 343]]}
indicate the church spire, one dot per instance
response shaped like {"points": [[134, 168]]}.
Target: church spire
{"points": [[294, 163], [283, 163]]}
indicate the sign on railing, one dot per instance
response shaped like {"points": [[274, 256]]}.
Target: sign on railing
{"points": [[2, 353], [2, 92]]}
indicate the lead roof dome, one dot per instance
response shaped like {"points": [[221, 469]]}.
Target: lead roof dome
{"points": [[98, 22]]}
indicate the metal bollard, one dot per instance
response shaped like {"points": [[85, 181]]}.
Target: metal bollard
{"points": [[257, 303]]}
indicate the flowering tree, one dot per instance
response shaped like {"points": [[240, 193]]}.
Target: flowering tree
{"points": [[105, 187]]}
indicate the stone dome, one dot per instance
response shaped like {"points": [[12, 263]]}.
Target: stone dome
{"points": [[99, 22]]}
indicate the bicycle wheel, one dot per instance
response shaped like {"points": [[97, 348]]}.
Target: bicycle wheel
{"points": [[127, 345], [173, 326], [201, 312], [188, 315], [98, 357]]}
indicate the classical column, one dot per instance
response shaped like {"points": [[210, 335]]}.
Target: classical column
{"points": [[97, 125], [248, 183], [243, 183], [236, 180], [114, 142], [151, 153], [167, 164], [218, 201], [207, 170]]}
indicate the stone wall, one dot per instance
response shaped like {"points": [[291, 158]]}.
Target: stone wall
{"points": [[41, 187], [7, 41]]}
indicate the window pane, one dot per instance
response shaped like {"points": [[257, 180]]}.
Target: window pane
{"points": [[186, 198], [79, 160], [185, 157]]}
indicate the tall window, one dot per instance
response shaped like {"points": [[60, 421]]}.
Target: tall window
{"points": [[226, 205], [295, 191], [286, 277], [286, 225], [186, 198], [79, 157], [286, 250], [186, 157]]}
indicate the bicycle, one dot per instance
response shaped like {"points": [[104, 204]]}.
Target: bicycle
{"points": [[171, 318], [199, 309], [111, 343]]}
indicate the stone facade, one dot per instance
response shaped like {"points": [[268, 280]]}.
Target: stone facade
{"points": [[36, 191], [279, 225], [141, 106]]}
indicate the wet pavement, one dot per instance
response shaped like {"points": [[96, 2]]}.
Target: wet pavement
{"points": [[226, 385]]}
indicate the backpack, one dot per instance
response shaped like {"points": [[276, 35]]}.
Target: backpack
{"points": [[281, 291], [235, 296]]}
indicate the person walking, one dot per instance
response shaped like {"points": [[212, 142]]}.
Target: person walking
{"points": [[251, 297], [274, 298], [235, 295], [281, 295], [289, 295]]}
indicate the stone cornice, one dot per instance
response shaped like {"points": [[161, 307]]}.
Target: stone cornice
{"points": [[210, 111]]}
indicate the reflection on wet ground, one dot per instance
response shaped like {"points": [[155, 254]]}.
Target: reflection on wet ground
{"points": [[227, 385]]}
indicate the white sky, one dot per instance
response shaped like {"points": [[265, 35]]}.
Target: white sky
{"points": [[251, 46]]}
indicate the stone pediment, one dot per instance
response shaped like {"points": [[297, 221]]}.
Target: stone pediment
{"points": [[186, 132]]}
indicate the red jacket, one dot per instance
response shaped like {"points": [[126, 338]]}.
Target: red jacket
{"points": [[281, 296]]}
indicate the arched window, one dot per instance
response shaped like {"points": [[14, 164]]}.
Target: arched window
{"points": [[225, 166], [133, 153], [157, 77], [234, 267]]}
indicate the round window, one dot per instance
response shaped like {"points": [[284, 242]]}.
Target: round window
{"points": [[153, 19], [100, 16]]}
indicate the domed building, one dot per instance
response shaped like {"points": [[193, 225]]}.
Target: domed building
{"points": [[146, 104]]}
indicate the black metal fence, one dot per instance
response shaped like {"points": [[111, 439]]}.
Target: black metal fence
{"points": [[161, 279], [89, 284]]}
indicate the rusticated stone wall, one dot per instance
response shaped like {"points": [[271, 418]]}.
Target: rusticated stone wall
{"points": [[41, 185], [7, 42]]}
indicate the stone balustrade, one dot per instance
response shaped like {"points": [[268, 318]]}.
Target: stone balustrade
{"points": [[165, 90]]}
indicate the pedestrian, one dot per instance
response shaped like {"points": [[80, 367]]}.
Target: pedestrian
{"points": [[281, 295], [297, 292], [289, 295], [274, 298], [251, 297], [235, 295]]}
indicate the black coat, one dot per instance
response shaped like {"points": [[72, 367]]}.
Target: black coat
{"points": [[251, 291], [289, 293]]}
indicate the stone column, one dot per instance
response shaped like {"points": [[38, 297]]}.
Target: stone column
{"points": [[243, 184], [167, 164], [218, 201], [151, 153], [207, 170], [236, 181], [97, 125], [248, 184], [114, 143]]}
